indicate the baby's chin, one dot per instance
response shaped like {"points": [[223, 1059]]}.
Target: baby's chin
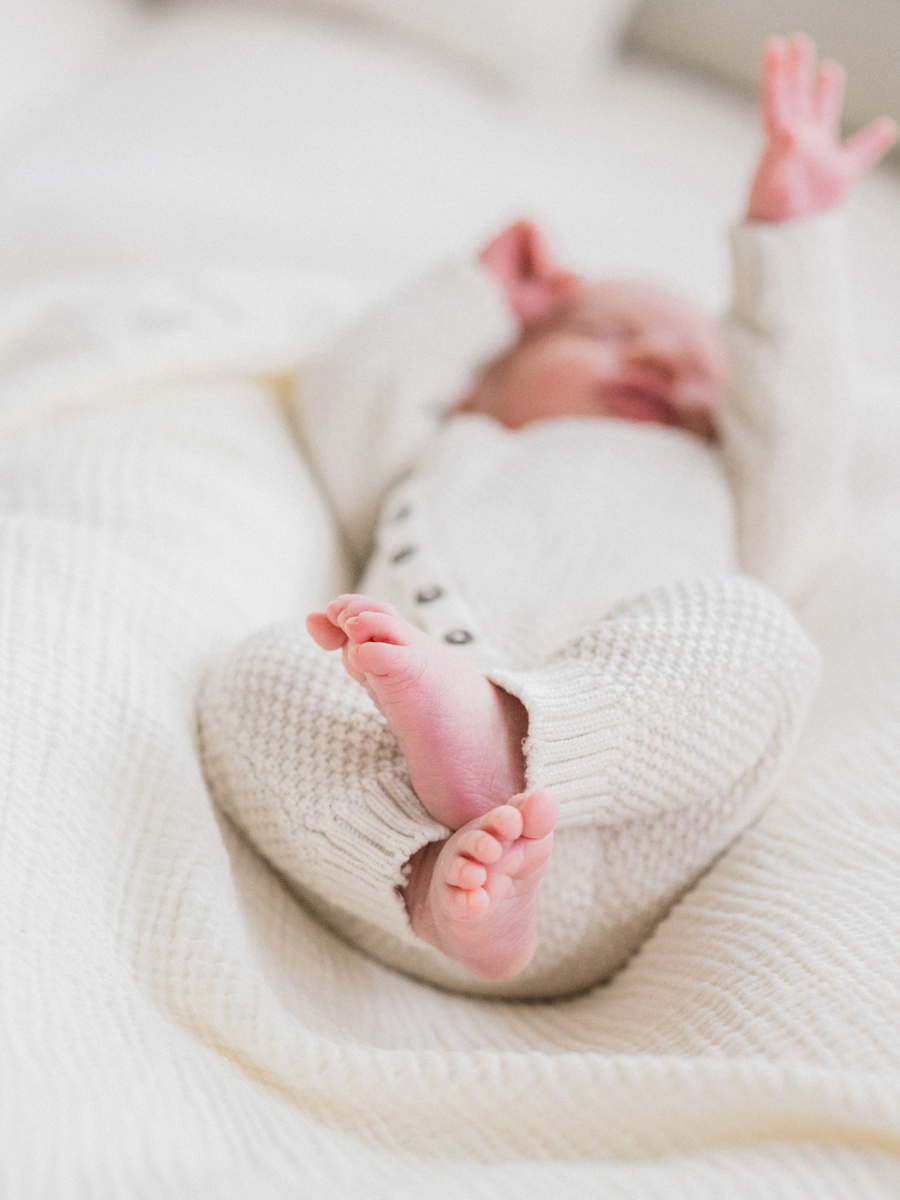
{"points": [[625, 402]]}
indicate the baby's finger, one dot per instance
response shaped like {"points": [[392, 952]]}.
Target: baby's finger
{"points": [[828, 100], [872, 142], [802, 58], [776, 107]]}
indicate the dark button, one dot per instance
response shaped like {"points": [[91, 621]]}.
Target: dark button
{"points": [[427, 594], [402, 513], [402, 555], [458, 637]]}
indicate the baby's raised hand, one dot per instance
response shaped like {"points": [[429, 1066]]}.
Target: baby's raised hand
{"points": [[805, 167], [521, 259]]}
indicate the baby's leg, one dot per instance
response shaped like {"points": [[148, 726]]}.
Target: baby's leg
{"points": [[474, 896], [299, 758], [461, 736], [661, 731]]}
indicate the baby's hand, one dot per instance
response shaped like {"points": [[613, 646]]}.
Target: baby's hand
{"points": [[805, 167], [522, 261]]}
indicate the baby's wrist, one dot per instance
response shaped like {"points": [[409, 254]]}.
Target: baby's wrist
{"points": [[786, 194], [774, 211]]}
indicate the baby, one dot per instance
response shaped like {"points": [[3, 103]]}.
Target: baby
{"points": [[555, 632]]}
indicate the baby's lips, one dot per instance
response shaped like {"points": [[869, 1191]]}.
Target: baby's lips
{"points": [[696, 395]]}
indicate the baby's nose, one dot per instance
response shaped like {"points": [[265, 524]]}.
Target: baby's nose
{"points": [[659, 351]]}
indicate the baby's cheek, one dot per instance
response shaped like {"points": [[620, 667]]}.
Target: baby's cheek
{"points": [[566, 388], [555, 378]]}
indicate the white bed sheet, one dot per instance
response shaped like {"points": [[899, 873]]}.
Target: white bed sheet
{"points": [[227, 135], [203, 1037]]}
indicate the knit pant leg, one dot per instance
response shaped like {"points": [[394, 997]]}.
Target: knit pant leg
{"points": [[301, 760], [663, 730]]}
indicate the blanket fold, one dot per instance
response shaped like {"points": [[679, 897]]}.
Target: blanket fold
{"points": [[172, 1022]]}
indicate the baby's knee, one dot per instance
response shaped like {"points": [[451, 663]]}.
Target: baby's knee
{"points": [[769, 647]]}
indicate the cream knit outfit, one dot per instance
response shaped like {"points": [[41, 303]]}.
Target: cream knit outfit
{"points": [[589, 568]]}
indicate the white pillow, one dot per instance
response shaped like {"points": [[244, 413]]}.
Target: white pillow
{"points": [[43, 43], [724, 38], [531, 45]]}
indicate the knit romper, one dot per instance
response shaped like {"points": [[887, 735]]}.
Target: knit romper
{"points": [[599, 570]]}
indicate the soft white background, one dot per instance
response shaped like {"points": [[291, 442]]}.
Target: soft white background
{"points": [[172, 1022], [261, 137]]}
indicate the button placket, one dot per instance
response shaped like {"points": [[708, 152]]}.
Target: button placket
{"points": [[459, 637], [405, 542]]}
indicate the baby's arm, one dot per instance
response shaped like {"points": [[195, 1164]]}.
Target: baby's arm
{"points": [[367, 408], [784, 423]]}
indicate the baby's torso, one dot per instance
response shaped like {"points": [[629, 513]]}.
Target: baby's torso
{"points": [[506, 543]]}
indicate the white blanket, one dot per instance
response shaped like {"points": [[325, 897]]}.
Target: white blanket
{"points": [[172, 1023]]}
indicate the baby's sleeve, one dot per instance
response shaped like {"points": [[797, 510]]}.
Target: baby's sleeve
{"points": [[785, 422], [366, 408]]}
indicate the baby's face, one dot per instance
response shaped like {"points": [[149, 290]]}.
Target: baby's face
{"points": [[628, 350]]}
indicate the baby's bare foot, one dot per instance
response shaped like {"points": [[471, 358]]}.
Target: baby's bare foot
{"points": [[461, 735], [475, 895]]}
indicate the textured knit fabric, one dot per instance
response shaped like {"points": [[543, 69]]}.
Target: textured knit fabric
{"points": [[174, 1024], [368, 408], [517, 540], [662, 730], [306, 765], [785, 426]]}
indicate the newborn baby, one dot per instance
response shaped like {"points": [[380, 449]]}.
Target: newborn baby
{"points": [[556, 639], [609, 350]]}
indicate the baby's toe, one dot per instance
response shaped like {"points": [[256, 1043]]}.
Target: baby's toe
{"points": [[373, 626], [504, 822], [463, 873], [540, 811], [479, 845], [324, 632], [352, 604], [468, 902], [378, 658]]}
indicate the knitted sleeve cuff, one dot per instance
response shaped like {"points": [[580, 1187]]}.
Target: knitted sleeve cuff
{"points": [[367, 408], [471, 322], [788, 274], [359, 866], [297, 755], [577, 726], [688, 695]]}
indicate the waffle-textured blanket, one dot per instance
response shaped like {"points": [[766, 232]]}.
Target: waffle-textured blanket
{"points": [[173, 1023]]}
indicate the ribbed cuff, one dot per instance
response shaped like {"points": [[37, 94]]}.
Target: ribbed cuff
{"points": [[362, 861], [478, 318], [788, 273], [297, 755], [685, 697], [577, 726]]}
